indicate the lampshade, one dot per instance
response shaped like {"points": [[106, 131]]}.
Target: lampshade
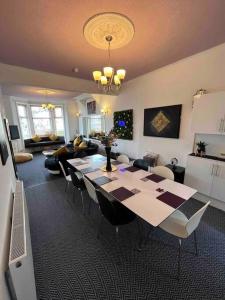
{"points": [[103, 80], [116, 80], [121, 73], [97, 75], [108, 71]]}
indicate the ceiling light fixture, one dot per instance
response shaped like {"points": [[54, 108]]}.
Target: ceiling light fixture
{"points": [[109, 78], [199, 93], [48, 106], [109, 31]]}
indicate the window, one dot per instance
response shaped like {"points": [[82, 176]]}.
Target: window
{"points": [[95, 124], [24, 121], [41, 120], [59, 121], [92, 124], [36, 120]]}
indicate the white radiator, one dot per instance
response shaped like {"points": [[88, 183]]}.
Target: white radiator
{"points": [[20, 275]]}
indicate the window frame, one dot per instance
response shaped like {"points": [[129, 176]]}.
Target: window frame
{"points": [[30, 118], [26, 117]]}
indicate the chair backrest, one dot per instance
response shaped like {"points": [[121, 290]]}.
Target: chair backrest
{"points": [[62, 168], [194, 221], [75, 180], [163, 171], [90, 189], [123, 159], [107, 208], [141, 164]]}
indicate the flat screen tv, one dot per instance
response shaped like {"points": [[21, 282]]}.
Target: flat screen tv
{"points": [[163, 121], [14, 132]]}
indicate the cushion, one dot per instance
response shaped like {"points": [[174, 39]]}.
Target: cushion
{"points": [[60, 151], [36, 138], [53, 137], [77, 141], [82, 145], [23, 157]]}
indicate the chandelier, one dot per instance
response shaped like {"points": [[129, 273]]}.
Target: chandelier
{"points": [[109, 31], [47, 106], [109, 78]]}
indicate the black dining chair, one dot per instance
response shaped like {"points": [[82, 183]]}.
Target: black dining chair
{"points": [[78, 183], [141, 164], [115, 213]]}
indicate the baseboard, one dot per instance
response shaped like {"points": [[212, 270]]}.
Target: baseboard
{"points": [[214, 202]]}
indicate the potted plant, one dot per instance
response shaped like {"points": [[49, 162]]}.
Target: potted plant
{"points": [[108, 140], [201, 148]]}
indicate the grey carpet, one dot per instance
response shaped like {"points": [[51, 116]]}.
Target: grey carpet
{"points": [[33, 172], [71, 263]]}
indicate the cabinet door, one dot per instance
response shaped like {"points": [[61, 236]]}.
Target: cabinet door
{"points": [[208, 113], [198, 174], [218, 184]]}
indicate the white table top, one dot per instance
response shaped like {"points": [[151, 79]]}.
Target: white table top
{"points": [[136, 189]]}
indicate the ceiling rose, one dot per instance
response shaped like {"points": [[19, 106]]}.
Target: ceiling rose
{"points": [[118, 26]]}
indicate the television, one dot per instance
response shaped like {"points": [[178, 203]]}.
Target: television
{"points": [[14, 132]]}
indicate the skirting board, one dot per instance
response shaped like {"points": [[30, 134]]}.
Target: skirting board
{"points": [[215, 203]]}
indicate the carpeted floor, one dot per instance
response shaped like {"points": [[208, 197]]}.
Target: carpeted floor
{"points": [[71, 263]]}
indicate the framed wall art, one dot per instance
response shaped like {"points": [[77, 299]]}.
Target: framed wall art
{"points": [[91, 108], [123, 124], [163, 121], [3, 145]]}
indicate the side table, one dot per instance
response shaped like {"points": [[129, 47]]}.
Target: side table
{"points": [[178, 172]]}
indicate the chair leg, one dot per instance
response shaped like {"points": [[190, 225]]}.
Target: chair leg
{"points": [[179, 259], [196, 245], [89, 207], [82, 200], [99, 226], [141, 238], [117, 230], [66, 187]]}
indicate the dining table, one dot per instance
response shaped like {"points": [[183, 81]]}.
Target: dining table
{"points": [[151, 197]]}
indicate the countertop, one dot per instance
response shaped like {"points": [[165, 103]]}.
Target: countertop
{"points": [[209, 157]]}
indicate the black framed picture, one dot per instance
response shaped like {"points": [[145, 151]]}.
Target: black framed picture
{"points": [[91, 108], [163, 121], [3, 146], [123, 124]]}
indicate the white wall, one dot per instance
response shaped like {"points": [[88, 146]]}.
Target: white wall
{"points": [[23, 76], [173, 84], [7, 185]]}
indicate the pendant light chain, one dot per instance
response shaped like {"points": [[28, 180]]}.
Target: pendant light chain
{"points": [[109, 54]]}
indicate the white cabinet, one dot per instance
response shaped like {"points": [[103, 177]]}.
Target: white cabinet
{"points": [[198, 174], [207, 176], [218, 185], [209, 114]]}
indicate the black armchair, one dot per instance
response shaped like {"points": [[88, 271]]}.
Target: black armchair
{"points": [[116, 213], [141, 164], [78, 183]]}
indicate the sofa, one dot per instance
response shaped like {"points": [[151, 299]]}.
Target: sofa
{"points": [[52, 162], [45, 143]]}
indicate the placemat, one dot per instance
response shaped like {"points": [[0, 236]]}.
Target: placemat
{"points": [[171, 199]]}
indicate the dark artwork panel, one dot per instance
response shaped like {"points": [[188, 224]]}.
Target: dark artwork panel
{"points": [[123, 124], [3, 146], [162, 121], [91, 108]]}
